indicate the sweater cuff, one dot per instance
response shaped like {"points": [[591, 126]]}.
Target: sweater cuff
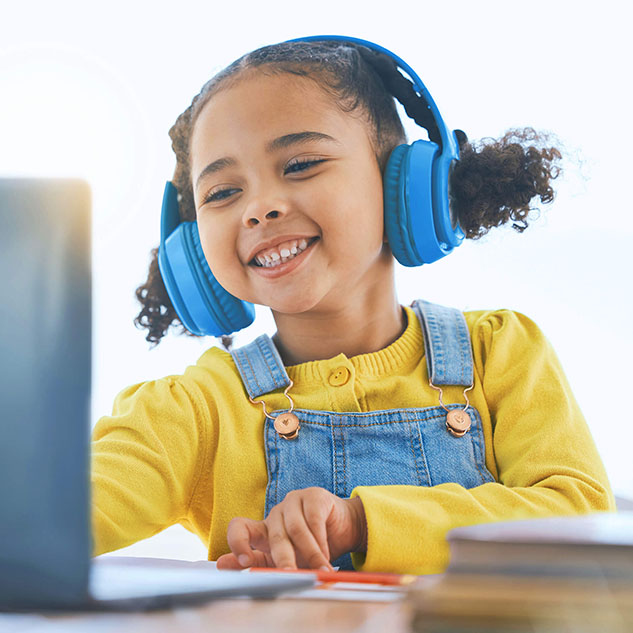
{"points": [[406, 542]]}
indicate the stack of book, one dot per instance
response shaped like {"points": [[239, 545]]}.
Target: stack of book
{"points": [[561, 574]]}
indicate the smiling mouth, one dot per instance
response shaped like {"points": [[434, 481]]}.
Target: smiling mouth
{"points": [[274, 263]]}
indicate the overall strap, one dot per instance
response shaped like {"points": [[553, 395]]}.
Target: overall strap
{"points": [[449, 356], [260, 366]]}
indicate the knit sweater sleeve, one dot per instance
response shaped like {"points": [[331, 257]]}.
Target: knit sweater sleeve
{"points": [[545, 457], [146, 460]]}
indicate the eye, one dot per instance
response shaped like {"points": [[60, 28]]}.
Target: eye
{"points": [[299, 165], [218, 195]]}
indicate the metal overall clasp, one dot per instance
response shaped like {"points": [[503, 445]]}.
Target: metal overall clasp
{"points": [[457, 420], [286, 424]]}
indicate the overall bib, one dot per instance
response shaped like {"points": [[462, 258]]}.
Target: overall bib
{"points": [[339, 451]]}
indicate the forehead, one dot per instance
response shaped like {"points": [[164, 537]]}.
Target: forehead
{"points": [[257, 106]]}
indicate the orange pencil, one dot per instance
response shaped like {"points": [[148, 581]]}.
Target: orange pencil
{"points": [[346, 576]]}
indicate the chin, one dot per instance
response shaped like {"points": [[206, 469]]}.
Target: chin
{"points": [[295, 304]]}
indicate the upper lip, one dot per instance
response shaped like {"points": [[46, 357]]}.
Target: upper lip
{"points": [[274, 241]]}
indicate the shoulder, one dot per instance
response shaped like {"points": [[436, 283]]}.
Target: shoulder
{"points": [[488, 325], [505, 342], [193, 390]]}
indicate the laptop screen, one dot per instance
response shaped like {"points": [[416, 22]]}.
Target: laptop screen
{"points": [[45, 345]]}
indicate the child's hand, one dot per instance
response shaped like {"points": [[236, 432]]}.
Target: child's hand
{"points": [[307, 529]]}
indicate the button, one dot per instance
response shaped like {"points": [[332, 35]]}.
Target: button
{"points": [[287, 425], [339, 376], [457, 422]]}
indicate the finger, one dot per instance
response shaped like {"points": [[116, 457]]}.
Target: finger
{"points": [[229, 561], [243, 535], [305, 544], [316, 518], [281, 548]]}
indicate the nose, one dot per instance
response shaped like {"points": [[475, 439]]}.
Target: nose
{"points": [[262, 208], [254, 220]]}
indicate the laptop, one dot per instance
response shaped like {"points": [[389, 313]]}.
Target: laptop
{"points": [[45, 366]]}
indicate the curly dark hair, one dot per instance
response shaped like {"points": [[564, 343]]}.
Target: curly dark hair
{"points": [[493, 183]]}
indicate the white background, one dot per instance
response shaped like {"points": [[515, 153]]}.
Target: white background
{"points": [[91, 90]]}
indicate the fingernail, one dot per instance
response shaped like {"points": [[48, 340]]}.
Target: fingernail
{"points": [[326, 568], [244, 560]]}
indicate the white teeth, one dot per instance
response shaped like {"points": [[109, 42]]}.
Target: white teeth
{"points": [[274, 258]]}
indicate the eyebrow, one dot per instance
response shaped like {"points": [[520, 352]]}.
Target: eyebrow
{"points": [[297, 138]]}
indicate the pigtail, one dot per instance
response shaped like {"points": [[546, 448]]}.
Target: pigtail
{"points": [[158, 313], [495, 181]]}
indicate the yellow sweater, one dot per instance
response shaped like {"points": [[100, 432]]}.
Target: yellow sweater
{"points": [[190, 449]]}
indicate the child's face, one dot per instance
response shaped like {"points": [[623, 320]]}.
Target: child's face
{"points": [[261, 196]]}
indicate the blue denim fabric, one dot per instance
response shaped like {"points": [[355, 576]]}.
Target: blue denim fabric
{"points": [[449, 356], [260, 366], [339, 451]]}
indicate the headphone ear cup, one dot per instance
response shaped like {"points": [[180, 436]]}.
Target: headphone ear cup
{"points": [[409, 203], [409, 209], [202, 304], [395, 208], [228, 312]]}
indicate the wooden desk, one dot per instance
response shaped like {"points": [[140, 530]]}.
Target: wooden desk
{"points": [[233, 616]]}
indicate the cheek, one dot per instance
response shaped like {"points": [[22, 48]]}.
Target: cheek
{"points": [[217, 250], [364, 192], [359, 202], [368, 221], [376, 210]]}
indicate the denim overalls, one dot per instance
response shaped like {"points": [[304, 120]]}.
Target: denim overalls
{"points": [[339, 451]]}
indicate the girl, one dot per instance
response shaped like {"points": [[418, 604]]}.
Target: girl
{"points": [[363, 430]]}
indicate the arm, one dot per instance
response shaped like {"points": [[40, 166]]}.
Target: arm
{"points": [[146, 460], [545, 456]]}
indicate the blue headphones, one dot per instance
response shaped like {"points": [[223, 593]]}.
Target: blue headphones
{"points": [[418, 222]]}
